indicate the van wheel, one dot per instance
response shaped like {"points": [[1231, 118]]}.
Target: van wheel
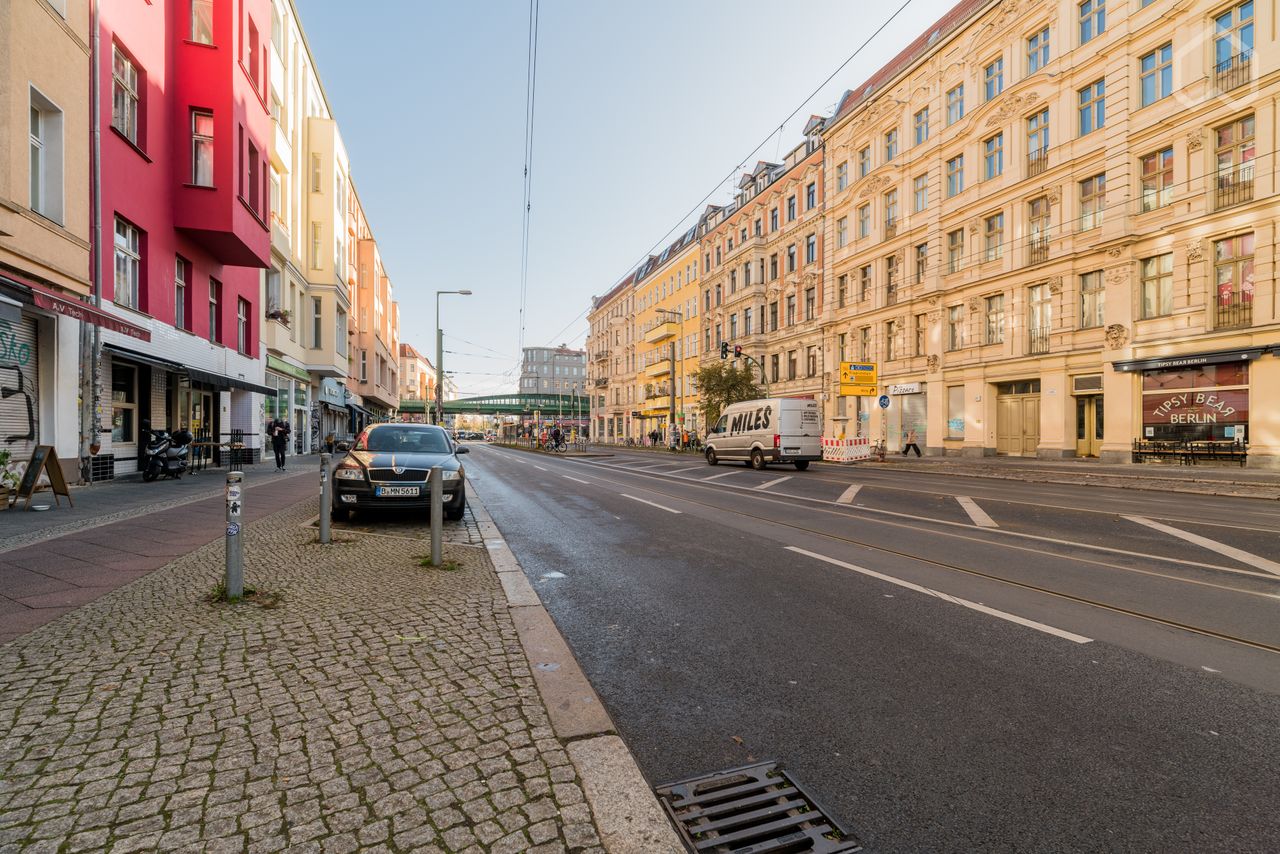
{"points": [[801, 465], [757, 460], [712, 459]]}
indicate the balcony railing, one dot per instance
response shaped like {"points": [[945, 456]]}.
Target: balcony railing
{"points": [[1234, 71], [1038, 340], [1234, 188], [1037, 161], [1233, 308], [1038, 250], [601, 382], [601, 355], [656, 391]]}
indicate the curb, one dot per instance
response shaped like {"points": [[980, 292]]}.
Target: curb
{"points": [[625, 809]]}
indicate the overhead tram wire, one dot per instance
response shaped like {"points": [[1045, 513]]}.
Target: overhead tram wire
{"points": [[736, 169], [531, 89]]}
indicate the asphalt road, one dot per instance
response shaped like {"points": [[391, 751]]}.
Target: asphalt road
{"points": [[1049, 668]]}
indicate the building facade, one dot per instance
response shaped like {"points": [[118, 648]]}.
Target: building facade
{"points": [[185, 192], [417, 381], [555, 371], [667, 351], [611, 348]]}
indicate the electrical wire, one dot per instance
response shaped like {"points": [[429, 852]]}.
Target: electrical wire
{"points": [[526, 212]]}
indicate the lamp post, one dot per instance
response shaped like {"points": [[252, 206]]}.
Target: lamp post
{"points": [[440, 356], [674, 376]]}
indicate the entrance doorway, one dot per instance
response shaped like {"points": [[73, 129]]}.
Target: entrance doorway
{"points": [[1088, 425], [1018, 418]]}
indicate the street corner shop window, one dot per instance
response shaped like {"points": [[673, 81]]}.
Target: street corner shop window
{"points": [[124, 403]]}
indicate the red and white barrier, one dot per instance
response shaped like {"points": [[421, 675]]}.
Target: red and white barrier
{"points": [[846, 450]]}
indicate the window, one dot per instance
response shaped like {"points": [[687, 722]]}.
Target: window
{"points": [[810, 196], [842, 289], [791, 364], [315, 246], [1157, 285], [46, 157], [864, 344], [1093, 104], [864, 283], [1038, 51], [1155, 75], [993, 79], [955, 250], [891, 280], [706, 296], [128, 264], [994, 306], [955, 327], [773, 224], [955, 104], [791, 258], [317, 318], [202, 21], [864, 162], [842, 175], [1039, 318], [955, 175], [1038, 230], [255, 63], [993, 157], [124, 403], [842, 346], [1233, 281], [215, 316], [864, 220], [920, 193], [1233, 45], [955, 412], [842, 231], [315, 173], [124, 95], [201, 148], [242, 326], [890, 212], [340, 330], [1157, 179], [773, 266], [810, 303], [922, 261], [993, 237], [791, 310], [1092, 299], [791, 208], [746, 321], [1037, 143], [773, 316], [733, 326], [890, 340], [921, 126], [1093, 19], [922, 331], [181, 273], [773, 368], [811, 249], [759, 230], [719, 294], [1235, 148], [1092, 201], [890, 145]]}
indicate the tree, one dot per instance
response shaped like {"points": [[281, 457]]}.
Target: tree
{"points": [[720, 383]]}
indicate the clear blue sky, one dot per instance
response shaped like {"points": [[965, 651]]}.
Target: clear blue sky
{"points": [[642, 108]]}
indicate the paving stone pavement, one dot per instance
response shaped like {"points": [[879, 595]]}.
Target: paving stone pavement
{"points": [[380, 706]]}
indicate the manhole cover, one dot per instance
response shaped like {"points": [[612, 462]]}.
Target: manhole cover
{"points": [[752, 810]]}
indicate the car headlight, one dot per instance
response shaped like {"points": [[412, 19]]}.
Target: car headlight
{"points": [[348, 474], [449, 475]]}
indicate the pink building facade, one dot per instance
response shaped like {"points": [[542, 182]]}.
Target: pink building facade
{"points": [[185, 130]]}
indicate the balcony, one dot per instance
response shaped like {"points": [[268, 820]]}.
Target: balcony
{"points": [[661, 369], [1038, 340], [661, 332], [601, 355], [652, 392], [755, 240], [1038, 250], [1234, 71], [601, 382], [1233, 308], [1234, 187], [1037, 162]]}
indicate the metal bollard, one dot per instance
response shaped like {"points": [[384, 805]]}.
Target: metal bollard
{"points": [[326, 499], [436, 485], [235, 547]]}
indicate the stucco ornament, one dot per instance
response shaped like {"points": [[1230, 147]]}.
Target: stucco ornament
{"points": [[974, 303], [934, 300], [1054, 195], [874, 184], [1195, 140], [1117, 336], [1195, 250], [1115, 251], [973, 226], [1055, 285], [1012, 106], [934, 316], [932, 362], [1118, 275]]}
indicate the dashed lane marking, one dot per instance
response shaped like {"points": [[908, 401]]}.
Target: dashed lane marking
{"points": [[762, 487], [718, 476], [976, 513], [650, 503], [576, 480], [849, 494], [1213, 545], [947, 597]]}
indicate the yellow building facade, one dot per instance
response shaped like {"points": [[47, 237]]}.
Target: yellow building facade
{"points": [[666, 305]]}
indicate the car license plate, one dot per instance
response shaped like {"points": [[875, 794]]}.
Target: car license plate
{"points": [[392, 491]]}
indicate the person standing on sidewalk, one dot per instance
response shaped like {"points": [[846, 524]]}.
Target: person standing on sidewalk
{"points": [[912, 440], [279, 432]]}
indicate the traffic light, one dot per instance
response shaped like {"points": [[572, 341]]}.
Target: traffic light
{"points": [[737, 351], [724, 349]]}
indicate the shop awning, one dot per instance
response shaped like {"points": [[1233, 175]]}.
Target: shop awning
{"points": [[280, 366], [142, 358], [52, 300], [225, 382], [1216, 357]]}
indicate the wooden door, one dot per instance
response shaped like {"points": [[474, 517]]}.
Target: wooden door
{"points": [[1030, 425], [1008, 426]]}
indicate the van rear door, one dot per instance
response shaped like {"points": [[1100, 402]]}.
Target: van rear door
{"points": [[800, 425]]}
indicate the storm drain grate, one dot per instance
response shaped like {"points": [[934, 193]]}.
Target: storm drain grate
{"points": [[752, 810]]}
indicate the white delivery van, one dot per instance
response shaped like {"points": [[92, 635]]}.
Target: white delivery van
{"points": [[773, 430]]}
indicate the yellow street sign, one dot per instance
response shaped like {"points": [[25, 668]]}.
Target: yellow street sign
{"points": [[858, 373], [852, 389]]}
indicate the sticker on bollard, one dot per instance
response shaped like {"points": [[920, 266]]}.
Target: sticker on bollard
{"points": [[233, 492], [233, 528]]}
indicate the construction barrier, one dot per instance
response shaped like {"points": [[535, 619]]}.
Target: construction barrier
{"points": [[846, 450]]}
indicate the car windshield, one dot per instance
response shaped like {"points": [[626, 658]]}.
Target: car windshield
{"points": [[405, 440]]}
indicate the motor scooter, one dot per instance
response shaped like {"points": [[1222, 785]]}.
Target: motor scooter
{"points": [[167, 454]]}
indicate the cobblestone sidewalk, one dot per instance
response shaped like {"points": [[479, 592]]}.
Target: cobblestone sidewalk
{"points": [[380, 706]]}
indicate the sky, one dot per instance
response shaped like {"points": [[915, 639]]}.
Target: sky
{"points": [[642, 108]]}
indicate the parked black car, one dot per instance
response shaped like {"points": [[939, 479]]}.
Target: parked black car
{"points": [[389, 464]]}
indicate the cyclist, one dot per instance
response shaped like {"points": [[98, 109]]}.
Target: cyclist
{"points": [[557, 438]]}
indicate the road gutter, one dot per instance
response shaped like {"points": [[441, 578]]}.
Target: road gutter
{"points": [[626, 811]]}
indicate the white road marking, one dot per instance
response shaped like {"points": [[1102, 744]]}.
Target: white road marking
{"points": [[765, 486], [1212, 545], [1003, 615], [538, 467], [849, 494], [650, 503], [718, 476], [690, 468], [575, 479], [976, 513]]}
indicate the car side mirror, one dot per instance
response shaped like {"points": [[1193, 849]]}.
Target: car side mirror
{"points": [[462, 449], [343, 446]]}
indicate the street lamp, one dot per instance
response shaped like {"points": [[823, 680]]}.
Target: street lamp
{"points": [[674, 376], [440, 356]]}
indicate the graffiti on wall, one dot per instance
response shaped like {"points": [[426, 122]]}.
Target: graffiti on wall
{"points": [[13, 391]]}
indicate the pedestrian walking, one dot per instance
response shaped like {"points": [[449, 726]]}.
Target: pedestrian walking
{"points": [[279, 433], [912, 439]]}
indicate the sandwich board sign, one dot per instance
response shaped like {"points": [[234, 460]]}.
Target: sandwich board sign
{"points": [[43, 459]]}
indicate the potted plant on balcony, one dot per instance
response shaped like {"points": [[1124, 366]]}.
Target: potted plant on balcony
{"points": [[280, 314]]}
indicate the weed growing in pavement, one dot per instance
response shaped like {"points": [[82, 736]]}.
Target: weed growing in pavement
{"points": [[270, 600], [446, 565]]}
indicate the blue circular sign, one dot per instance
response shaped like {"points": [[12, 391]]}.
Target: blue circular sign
{"points": [[884, 401]]}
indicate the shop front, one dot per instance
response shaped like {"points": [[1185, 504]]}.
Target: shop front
{"points": [[908, 410], [292, 386], [330, 419]]}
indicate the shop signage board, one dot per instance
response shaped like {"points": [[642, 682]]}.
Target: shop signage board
{"points": [[859, 379], [904, 388], [1220, 406], [43, 459]]}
